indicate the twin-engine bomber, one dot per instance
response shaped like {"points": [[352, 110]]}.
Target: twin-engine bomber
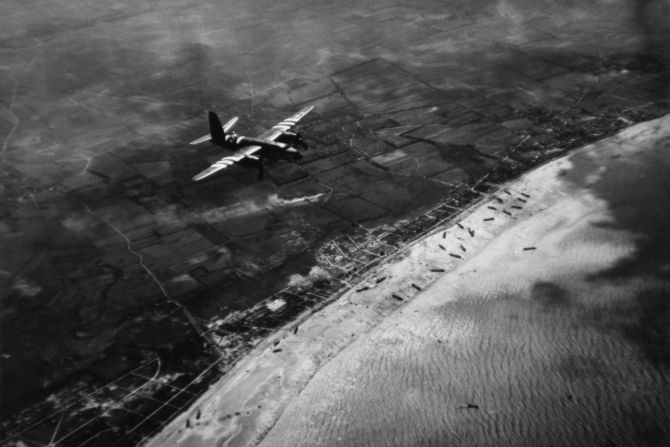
{"points": [[277, 142]]}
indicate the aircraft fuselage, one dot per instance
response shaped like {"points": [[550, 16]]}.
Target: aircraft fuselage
{"points": [[234, 142]]}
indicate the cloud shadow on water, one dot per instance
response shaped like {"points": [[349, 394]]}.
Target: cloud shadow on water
{"points": [[636, 188]]}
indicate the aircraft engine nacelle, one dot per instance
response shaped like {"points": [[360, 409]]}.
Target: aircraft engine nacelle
{"points": [[289, 137], [285, 150], [289, 151], [293, 152], [292, 138], [250, 162]]}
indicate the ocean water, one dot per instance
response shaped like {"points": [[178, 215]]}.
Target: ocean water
{"points": [[565, 345]]}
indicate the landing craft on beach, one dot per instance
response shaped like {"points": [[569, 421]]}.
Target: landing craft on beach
{"points": [[277, 142]]}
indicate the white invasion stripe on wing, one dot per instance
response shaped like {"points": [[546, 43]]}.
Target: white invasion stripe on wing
{"points": [[207, 172], [224, 162], [285, 125], [249, 150], [218, 165]]}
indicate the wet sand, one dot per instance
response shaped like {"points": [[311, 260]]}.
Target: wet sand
{"points": [[549, 327]]}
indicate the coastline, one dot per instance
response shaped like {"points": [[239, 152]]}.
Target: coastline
{"points": [[257, 395]]}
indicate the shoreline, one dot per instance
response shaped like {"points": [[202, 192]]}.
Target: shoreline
{"points": [[375, 312], [249, 400], [551, 334], [110, 245]]}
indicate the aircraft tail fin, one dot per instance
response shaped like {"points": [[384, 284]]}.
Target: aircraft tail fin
{"points": [[216, 129]]}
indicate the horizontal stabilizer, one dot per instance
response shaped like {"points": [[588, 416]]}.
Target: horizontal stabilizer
{"points": [[201, 139], [230, 124]]}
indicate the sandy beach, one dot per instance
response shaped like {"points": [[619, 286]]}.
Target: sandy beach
{"points": [[541, 318]]}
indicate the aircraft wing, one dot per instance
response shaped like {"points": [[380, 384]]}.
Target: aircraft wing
{"points": [[219, 165], [272, 133]]}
